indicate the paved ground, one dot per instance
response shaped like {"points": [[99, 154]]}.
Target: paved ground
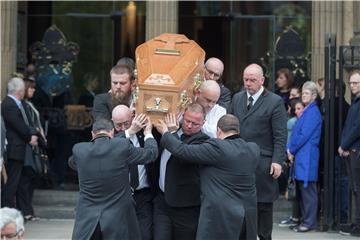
{"points": [[61, 229]]}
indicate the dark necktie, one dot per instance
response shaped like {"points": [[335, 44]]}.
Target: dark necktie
{"points": [[251, 100], [134, 176], [22, 110]]}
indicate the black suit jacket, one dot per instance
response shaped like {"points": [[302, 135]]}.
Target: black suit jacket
{"points": [[182, 180], [265, 125], [105, 195], [228, 192], [102, 106], [18, 134]]}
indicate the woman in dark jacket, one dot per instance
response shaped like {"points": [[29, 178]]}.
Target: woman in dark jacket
{"points": [[28, 178], [304, 145]]}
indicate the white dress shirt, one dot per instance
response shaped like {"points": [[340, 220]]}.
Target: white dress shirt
{"points": [[212, 118], [143, 180], [255, 96], [165, 156]]}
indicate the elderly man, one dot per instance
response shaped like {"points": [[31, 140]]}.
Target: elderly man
{"points": [[207, 95], [142, 178], [263, 118], [214, 69], [350, 150], [122, 79], [227, 176], [105, 208], [177, 205], [19, 133], [11, 224]]}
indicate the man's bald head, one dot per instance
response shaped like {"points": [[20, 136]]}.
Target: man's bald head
{"points": [[208, 94], [253, 78], [122, 117], [214, 69]]}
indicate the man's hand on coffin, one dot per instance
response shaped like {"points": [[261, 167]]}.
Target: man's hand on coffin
{"points": [[138, 123], [171, 122], [148, 127], [161, 127]]}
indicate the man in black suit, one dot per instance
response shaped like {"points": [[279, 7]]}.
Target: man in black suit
{"points": [[18, 134], [227, 176], [122, 79], [263, 119], [142, 178], [214, 69], [106, 209], [177, 205]]}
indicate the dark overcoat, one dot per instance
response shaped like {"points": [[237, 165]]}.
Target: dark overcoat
{"points": [[265, 125], [105, 195], [228, 192]]}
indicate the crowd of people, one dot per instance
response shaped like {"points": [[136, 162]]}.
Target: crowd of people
{"points": [[208, 173]]}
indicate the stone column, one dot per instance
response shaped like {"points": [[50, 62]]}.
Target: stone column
{"points": [[8, 11], [331, 17], [161, 17]]}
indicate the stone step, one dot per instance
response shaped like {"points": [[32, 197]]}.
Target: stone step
{"points": [[55, 197], [60, 204]]}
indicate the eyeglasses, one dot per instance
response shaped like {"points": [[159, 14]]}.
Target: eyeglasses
{"points": [[216, 75], [11, 235], [125, 124], [354, 83]]}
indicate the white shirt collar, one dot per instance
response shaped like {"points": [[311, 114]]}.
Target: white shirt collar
{"points": [[256, 95]]}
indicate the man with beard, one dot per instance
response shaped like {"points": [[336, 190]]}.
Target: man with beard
{"points": [[122, 79]]}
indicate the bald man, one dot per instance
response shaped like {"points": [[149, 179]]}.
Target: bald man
{"points": [[262, 118], [141, 176], [214, 69], [207, 96]]}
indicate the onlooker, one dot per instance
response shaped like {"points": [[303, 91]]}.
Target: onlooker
{"points": [[105, 208], [304, 145], [90, 83], [207, 96], [284, 82], [18, 135], [11, 224], [214, 69], [295, 92], [262, 117], [350, 150], [28, 176], [296, 109]]}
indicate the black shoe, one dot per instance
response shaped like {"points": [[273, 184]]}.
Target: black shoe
{"points": [[346, 229]]}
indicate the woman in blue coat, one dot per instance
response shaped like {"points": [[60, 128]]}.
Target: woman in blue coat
{"points": [[304, 145]]}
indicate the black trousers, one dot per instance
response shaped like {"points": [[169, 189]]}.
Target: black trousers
{"points": [[353, 168], [265, 220], [144, 212], [97, 235], [25, 192], [178, 223], [8, 191]]}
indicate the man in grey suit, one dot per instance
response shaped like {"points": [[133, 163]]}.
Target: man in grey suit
{"points": [[105, 198], [262, 118], [227, 176]]}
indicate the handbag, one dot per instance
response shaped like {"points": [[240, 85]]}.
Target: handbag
{"points": [[290, 193], [33, 159]]}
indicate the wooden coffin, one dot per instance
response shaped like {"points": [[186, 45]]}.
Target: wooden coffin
{"points": [[169, 67]]}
